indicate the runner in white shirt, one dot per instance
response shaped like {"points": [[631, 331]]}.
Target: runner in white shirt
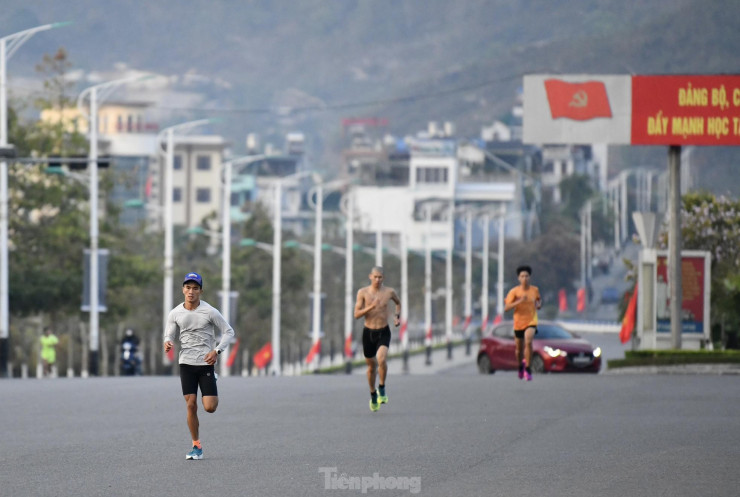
{"points": [[198, 324]]}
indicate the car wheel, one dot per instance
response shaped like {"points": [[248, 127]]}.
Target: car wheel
{"points": [[484, 365], [538, 365]]}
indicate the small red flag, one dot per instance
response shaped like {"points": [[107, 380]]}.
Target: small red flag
{"points": [[581, 304], [232, 354], [630, 315], [315, 348], [497, 319], [563, 300], [263, 356], [577, 101], [148, 187], [348, 347], [402, 330]]}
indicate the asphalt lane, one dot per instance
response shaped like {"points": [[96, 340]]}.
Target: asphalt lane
{"points": [[453, 434]]}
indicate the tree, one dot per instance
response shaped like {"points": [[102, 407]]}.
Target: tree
{"points": [[713, 224]]}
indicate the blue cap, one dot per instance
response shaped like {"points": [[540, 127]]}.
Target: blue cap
{"points": [[193, 277]]}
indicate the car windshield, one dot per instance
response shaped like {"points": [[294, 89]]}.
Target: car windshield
{"points": [[550, 331]]}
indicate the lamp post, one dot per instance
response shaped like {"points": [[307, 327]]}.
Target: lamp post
{"points": [[95, 94], [8, 46], [448, 278], [168, 135], [277, 243], [226, 240]]}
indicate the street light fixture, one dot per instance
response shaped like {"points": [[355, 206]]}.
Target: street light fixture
{"points": [[96, 94], [8, 46]]}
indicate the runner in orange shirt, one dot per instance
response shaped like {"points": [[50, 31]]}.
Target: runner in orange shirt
{"points": [[525, 300]]}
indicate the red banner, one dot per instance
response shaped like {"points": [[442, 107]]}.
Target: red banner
{"points": [[581, 300], [315, 348], [628, 322], [577, 101], [263, 356], [686, 110], [562, 300], [232, 355]]}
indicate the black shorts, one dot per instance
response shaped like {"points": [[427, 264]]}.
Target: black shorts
{"points": [[520, 333], [193, 376], [373, 339]]}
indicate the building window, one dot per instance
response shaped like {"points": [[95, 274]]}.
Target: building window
{"points": [[130, 123], [119, 123], [432, 175], [203, 163], [177, 162], [203, 195], [177, 194]]}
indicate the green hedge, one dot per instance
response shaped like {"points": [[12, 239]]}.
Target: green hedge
{"points": [[674, 357]]}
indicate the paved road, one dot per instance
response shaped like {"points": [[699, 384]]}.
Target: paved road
{"points": [[452, 434]]}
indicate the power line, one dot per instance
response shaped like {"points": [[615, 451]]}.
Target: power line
{"points": [[343, 106]]}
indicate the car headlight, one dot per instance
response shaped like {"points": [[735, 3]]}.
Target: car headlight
{"points": [[597, 352], [552, 352]]}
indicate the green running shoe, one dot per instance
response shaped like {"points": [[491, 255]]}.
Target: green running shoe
{"points": [[374, 406], [382, 399]]}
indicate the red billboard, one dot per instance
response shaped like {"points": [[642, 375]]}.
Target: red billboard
{"points": [[695, 290], [686, 110]]}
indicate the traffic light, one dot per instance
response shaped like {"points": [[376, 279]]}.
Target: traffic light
{"points": [[7, 152], [77, 162]]}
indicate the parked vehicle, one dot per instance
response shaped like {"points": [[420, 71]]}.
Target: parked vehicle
{"points": [[554, 349]]}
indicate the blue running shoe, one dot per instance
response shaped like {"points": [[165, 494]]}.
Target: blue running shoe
{"points": [[195, 453]]}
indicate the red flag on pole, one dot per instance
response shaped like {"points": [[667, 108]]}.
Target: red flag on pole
{"points": [[314, 350], [630, 315], [563, 300], [497, 319], [232, 354], [263, 356], [581, 304], [577, 101], [402, 330], [348, 347]]}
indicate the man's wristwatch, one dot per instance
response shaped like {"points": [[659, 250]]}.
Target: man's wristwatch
{"points": [[218, 351]]}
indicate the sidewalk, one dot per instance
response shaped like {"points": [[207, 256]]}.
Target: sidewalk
{"points": [[439, 361], [703, 369]]}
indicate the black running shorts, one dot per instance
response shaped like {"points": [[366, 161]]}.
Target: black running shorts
{"points": [[520, 333], [193, 376], [373, 339]]}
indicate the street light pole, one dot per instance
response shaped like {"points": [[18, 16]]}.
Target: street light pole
{"points": [[277, 246], [8, 46], [226, 240], [500, 263], [484, 271], [468, 278], [348, 280], [95, 94], [315, 334], [448, 279]]}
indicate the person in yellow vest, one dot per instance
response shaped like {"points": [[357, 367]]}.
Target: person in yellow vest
{"points": [[525, 299], [49, 343]]}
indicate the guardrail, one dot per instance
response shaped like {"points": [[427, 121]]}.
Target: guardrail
{"points": [[591, 326]]}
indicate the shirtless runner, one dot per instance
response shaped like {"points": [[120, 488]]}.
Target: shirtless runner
{"points": [[372, 304]]}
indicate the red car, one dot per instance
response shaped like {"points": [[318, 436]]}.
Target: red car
{"points": [[554, 349]]}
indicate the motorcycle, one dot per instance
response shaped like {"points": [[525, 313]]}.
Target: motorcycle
{"points": [[130, 360]]}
